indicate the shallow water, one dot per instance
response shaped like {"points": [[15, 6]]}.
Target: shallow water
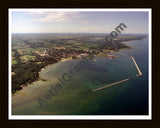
{"points": [[76, 98]]}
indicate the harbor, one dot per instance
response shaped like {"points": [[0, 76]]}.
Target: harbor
{"points": [[139, 71]]}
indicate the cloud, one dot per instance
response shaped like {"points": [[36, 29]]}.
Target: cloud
{"points": [[93, 29], [56, 16]]}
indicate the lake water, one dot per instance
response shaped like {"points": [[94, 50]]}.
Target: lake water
{"points": [[76, 97]]}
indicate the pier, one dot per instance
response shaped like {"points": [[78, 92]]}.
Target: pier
{"points": [[140, 73], [111, 85]]}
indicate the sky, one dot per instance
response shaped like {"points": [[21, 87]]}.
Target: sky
{"points": [[67, 21]]}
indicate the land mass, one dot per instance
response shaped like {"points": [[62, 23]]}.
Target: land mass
{"points": [[32, 52]]}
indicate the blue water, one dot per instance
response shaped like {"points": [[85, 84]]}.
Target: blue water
{"points": [[76, 97], [134, 100]]}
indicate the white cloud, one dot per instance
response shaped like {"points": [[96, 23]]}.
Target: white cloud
{"points": [[51, 17]]}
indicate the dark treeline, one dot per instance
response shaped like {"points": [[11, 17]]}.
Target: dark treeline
{"points": [[26, 73]]}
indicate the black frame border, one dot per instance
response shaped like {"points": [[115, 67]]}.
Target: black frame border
{"points": [[6, 4]]}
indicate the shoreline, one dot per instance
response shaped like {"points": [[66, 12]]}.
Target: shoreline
{"points": [[42, 79], [39, 79], [63, 60]]}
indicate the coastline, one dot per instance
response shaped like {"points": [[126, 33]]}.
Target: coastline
{"points": [[42, 79], [24, 104], [39, 78], [62, 60]]}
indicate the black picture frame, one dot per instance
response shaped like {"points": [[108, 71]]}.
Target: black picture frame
{"points": [[6, 4]]}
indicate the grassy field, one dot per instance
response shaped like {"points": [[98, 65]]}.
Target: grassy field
{"points": [[14, 62], [26, 58]]}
